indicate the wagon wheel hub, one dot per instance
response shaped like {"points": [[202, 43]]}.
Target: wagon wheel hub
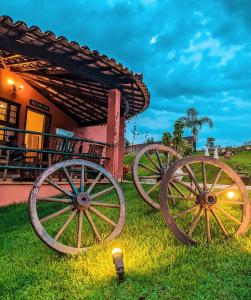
{"points": [[83, 200], [207, 199]]}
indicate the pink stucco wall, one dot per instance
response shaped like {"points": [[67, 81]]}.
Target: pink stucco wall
{"points": [[12, 193]]}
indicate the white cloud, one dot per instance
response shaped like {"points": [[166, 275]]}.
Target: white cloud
{"points": [[154, 39], [196, 51]]}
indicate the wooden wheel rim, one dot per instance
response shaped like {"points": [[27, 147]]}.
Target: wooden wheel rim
{"points": [[135, 167], [37, 225], [170, 221]]}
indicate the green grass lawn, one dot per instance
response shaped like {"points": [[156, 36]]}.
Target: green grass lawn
{"points": [[157, 265], [243, 159]]}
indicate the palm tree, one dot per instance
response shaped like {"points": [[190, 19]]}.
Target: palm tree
{"points": [[194, 122]]}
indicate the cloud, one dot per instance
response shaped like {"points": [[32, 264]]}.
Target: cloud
{"points": [[192, 53], [154, 39]]}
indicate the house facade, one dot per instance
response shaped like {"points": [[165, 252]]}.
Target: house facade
{"points": [[49, 85]]}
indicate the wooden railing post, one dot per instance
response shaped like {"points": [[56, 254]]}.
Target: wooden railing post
{"points": [[112, 135]]}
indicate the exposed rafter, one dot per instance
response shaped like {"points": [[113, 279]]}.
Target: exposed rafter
{"points": [[74, 78]]}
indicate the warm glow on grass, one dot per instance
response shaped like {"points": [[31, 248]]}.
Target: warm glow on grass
{"points": [[10, 82], [230, 194]]}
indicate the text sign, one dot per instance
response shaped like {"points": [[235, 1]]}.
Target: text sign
{"points": [[39, 105], [63, 132]]}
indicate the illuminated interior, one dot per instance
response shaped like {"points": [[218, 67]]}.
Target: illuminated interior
{"points": [[35, 122]]}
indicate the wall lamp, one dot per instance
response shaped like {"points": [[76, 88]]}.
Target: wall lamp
{"points": [[117, 256], [14, 87]]}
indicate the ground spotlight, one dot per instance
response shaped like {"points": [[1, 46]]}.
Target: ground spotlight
{"points": [[117, 256], [230, 194]]}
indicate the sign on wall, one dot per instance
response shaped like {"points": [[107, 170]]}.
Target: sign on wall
{"points": [[63, 132], [39, 105]]}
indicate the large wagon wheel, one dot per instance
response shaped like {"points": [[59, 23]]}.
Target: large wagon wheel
{"points": [[219, 197], [86, 207], [148, 169]]}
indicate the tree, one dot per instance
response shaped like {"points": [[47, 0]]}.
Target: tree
{"points": [[127, 143], [177, 141], [167, 139], [195, 123], [149, 140], [134, 136], [179, 126], [210, 142]]}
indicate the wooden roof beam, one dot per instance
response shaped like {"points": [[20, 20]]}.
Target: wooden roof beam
{"points": [[41, 53]]}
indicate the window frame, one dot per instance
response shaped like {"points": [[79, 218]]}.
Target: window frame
{"points": [[7, 123]]}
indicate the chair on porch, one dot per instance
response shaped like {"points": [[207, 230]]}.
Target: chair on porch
{"points": [[94, 154], [95, 150], [60, 145]]}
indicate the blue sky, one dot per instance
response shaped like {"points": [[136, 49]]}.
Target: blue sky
{"points": [[192, 54]]}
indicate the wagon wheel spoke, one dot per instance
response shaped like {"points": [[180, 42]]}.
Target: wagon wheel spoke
{"points": [[180, 198], [177, 189], [195, 214], [225, 189], [103, 217], [219, 222], [108, 205], [188, 187], [61, 231], [184, 212], [189, 171], [158, 157], [179, 175], [73, 187], [152, 161], [204, 177], [230, 217], [195, 222], [80, 225], [231, 202], [150, 177], [149, 168], [58, 187], [56, 214], [94, 182], [171, 196], [207, 217], [101, 193], [92, 224], [153, 187], [56, 200], [216, 180], [82, 179]]}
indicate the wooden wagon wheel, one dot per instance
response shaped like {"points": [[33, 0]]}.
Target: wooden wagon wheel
{"points": [[148, 169], [86, 207], [220, 198]]}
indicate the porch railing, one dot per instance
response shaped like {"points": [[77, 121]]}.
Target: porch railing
{"points": [[64, 154]]}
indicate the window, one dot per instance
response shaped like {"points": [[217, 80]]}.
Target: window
{"points": [[8, 117]]}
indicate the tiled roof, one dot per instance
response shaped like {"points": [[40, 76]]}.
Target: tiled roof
{"points": [[73, 77]]}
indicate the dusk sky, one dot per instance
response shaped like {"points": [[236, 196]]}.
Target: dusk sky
{"points": [[192, 54]]}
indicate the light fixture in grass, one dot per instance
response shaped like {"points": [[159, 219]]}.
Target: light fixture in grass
{"points": [[117, 256]]}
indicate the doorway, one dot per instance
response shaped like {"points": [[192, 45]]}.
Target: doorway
{"points": [[36, 121]]}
